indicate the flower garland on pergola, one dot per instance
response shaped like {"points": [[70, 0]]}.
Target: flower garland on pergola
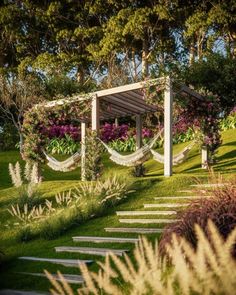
{"points": [[41, 116]]}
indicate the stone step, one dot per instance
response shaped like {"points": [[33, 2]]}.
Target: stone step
{"points": [[138, 213], [91, 251], [165, 205], [147, 221], [208, 185], [104, 239], [64, 262], [136, 230], [19, 292], [69, 278], [176, 198]]}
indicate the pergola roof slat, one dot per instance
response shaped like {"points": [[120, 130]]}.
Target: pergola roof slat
{"points": [[138, 101], [124, 107], [128, 105]]}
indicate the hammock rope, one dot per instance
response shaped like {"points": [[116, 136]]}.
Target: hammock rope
{"points": [[177, 159], [138, 157], [64, 166]]}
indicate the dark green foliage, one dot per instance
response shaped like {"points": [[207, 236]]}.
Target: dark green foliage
{"points": [[8, 137], [25, 234], [217, 75], [93, 156], [28, 194]]}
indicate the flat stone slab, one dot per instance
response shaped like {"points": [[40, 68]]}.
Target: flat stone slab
{"points": [[64, 262], [104, 239], [147, 221], [208, 184], [177, 198], [91, 251], [165, 205], [136, 230], [138, 213], [71, 279], [19, 292]]}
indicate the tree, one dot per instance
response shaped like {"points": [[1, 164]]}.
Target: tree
{"points": [[215, 75], [17, 95]]}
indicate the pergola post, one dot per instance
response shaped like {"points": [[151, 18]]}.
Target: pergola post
{"points": [[83, 150], [168, 105], [95, 114], [204, 157], [138, 131]]}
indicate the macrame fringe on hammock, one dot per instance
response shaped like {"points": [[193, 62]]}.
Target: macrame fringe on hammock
{"points": [[64, 166], [177, 159]]}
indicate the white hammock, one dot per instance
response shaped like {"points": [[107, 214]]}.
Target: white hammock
{"points": [[136, 158], [64, 166], [177, 159]]}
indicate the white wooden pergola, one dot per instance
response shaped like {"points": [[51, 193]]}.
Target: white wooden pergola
{"points": [[129, 100]]}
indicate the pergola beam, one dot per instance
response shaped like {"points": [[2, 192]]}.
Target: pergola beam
{"points": [[191, 92], [125, 88]]}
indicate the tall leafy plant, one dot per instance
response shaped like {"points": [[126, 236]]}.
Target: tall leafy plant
{"points": [[93, 167]]}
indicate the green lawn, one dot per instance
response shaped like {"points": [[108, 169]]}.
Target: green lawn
{"points": [[153, 184]]}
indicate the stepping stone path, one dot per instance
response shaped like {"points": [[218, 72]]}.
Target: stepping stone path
{"points": [[141, 217]]}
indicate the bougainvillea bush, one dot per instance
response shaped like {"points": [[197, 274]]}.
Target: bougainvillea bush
{"points": [[205, 115], [41, 117], [61, 131]]}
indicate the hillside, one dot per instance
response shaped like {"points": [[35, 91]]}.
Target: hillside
{"points": [[146, 188]]}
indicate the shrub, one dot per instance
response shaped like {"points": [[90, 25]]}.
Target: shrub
{"points": [[209, 269], [229, 122], [93, 167], [28, 194], [61, 131], [220, 208]]}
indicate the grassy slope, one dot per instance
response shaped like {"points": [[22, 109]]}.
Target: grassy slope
{"points": [[151, 185]]}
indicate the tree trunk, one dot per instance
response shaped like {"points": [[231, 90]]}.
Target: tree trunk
{"points": [[80, 76], [134, 66], [191, 53], [145, 68], [21, 143]]}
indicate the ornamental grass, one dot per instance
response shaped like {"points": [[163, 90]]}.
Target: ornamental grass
{"points": [[207, 269], [220, 208]]}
